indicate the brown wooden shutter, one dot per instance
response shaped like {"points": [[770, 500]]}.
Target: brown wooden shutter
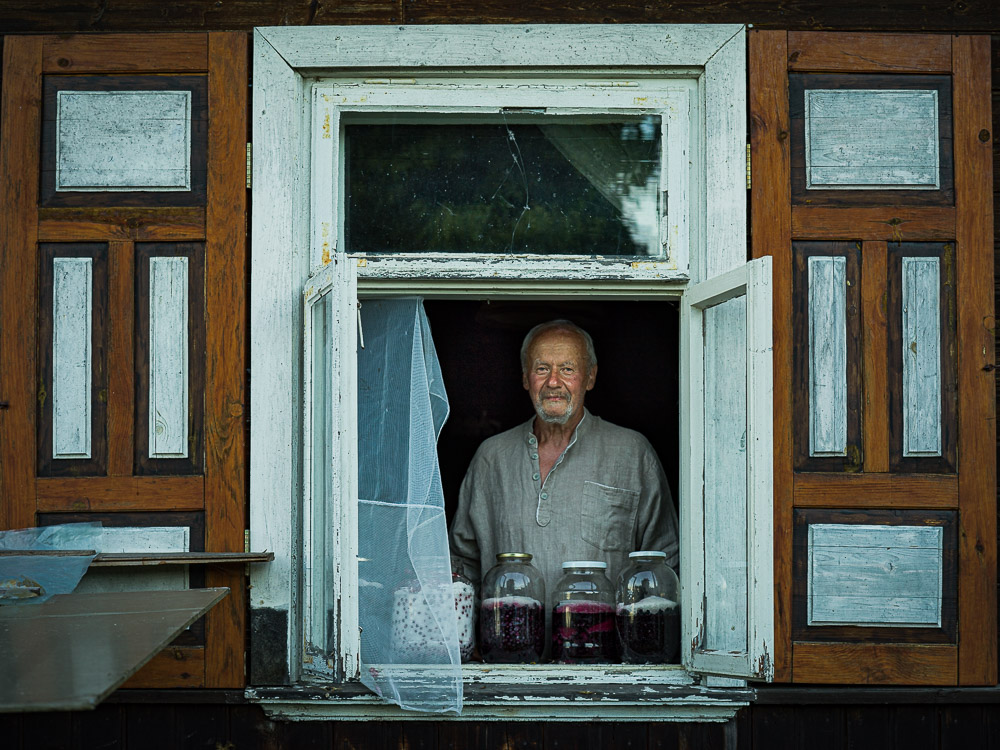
{"points": [[907, 459], [74, 216]]}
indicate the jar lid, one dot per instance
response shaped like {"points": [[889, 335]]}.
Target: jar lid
{"points": [[506, 556], [585, 564], [647, 553]]}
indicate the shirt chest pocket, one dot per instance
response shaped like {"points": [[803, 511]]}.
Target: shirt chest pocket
{"points": [[608, 516]]}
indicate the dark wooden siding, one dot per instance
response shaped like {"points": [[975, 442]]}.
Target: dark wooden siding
{"points": [[219, 720]]}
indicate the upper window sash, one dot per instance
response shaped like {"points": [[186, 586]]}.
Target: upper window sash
{"points": [[672, 100]]}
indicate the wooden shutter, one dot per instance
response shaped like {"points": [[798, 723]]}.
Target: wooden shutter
{"points": [[872, 192], [123, 280]]}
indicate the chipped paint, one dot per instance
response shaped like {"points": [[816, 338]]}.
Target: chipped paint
{"points": [[326, 126]]}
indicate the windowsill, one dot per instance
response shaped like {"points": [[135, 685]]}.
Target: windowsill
{"points": [[614, 692]]}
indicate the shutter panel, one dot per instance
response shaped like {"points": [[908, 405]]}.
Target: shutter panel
{"points": [[123, 339], [726, 482], [871, 191]]}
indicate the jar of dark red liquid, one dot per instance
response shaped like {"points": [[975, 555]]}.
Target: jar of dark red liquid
{"points": [[648, 610], [583, 617], [512, 612]]}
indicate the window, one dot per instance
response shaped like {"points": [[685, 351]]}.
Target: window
{"points": [[667, 230]]}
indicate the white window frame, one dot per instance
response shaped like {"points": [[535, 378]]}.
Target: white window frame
{"points": [[287, 62]]}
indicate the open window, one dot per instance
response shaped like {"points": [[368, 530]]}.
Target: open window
{"points": [[612, 182]]}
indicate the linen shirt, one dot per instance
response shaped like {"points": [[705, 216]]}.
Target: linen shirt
{"points": [[605, 496]]}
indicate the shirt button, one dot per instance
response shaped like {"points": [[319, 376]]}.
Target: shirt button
{"points": [[532, 440], [534, 455], [545, 496], [535, 475]]}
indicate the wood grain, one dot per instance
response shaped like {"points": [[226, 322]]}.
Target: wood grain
{"points": [[874, 358], [173, 667], [882, 53], [19, 146], [976, 378], [121, 365], [118, 494], [137, 224], [886, 224], [226, 350], [875, 663], [876, 491], [947, 461], [124, 53], [772, 235]]}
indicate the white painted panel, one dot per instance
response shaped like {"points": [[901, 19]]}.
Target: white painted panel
{"points": [[921, 357], [138, 539], [168, 357], [712, 587], [725, 435], [877, 139], [72, 366], [875, 575], [827, 356], [123, 140]]}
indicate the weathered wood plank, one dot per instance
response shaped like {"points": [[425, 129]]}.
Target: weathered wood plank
{"points": [[876, 139], [174, 667], [19, 123], [855, 52], [121, 358], [976, 379], [771, 219], [921, 298], [876, 490], [72, 365], [863, 575], [875, 663], [115, 141], [827, 290], [168, 357], [119, 494], [888, 224], [226, 353], [875, 388], [725, 477], [457, 45], [131, 53], [107, 224]]}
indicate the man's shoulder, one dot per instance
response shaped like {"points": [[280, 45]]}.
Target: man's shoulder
{"points": [[617, 435], [503, 443]]}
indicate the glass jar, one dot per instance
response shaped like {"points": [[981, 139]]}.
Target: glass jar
{"points": [[648, 610], [583, 617], [465, 608], [512, 613]]}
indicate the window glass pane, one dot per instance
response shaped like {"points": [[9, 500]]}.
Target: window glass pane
{"points": [[551, 186]]}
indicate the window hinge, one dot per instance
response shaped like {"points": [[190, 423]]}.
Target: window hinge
{"points": [[249, 166], [748, 166], [246, 541]]}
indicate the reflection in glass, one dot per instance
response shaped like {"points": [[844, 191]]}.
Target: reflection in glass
{"points": [[557, 187]]}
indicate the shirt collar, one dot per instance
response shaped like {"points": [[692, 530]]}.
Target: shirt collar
{"points": [[581, 429]]}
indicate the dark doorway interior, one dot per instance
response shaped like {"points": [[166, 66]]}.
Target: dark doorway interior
{"points": [[479, 342]]}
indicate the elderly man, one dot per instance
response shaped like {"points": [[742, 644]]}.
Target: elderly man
{"points": [[565, 485]]}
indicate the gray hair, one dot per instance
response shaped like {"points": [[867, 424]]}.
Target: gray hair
{"points": [[559, 324]]}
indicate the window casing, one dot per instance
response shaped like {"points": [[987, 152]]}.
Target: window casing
{"points": [[700, 238]]}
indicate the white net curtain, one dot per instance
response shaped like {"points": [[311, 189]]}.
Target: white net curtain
{"points": [[409, 633]]}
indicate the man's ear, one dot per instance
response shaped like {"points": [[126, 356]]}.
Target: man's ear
{"points": [[524, 379], [591, 377]]}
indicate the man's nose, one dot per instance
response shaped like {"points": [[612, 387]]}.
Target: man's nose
{"points": [[553, 379]]}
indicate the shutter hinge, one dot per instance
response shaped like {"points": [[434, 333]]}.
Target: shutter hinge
{"points": [[748, 166], [249, 166], [246, 541]]}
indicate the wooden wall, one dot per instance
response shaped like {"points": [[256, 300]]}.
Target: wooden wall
{"points": [[223, 726], [219, 720]]}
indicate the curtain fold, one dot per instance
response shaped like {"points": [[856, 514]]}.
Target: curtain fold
{"points": [[409, 629]]}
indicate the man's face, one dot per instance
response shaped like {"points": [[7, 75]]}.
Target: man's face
{"points": [[557, 376]]}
